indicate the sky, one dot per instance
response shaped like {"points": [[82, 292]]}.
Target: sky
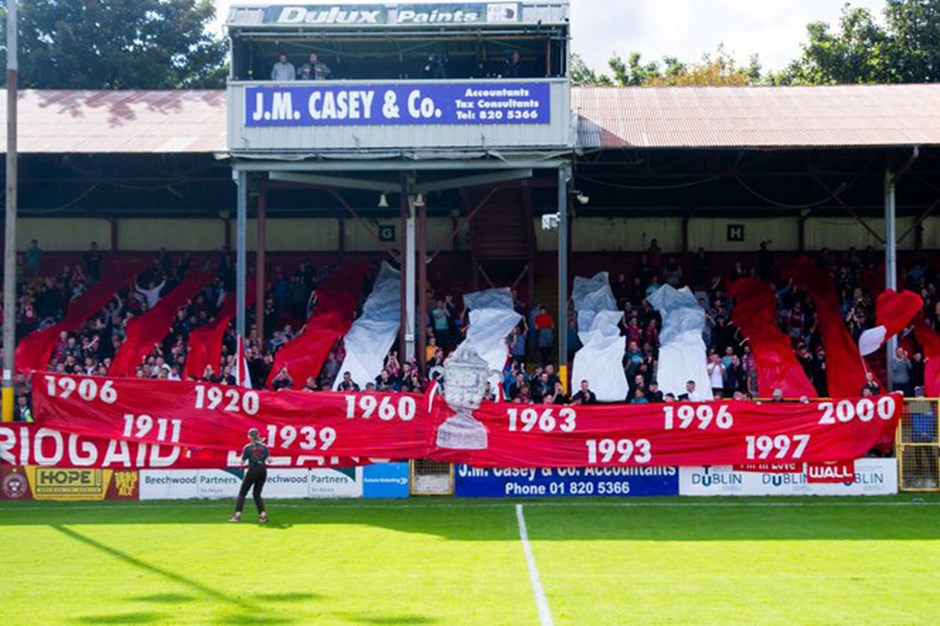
{"points": [[773, 29]]}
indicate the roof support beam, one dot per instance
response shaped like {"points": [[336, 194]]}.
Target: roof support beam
{"points": [[317, 180], [378, 165], [473, 181]]}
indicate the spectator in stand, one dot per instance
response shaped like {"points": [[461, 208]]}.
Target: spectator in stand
{"points": [[653, 394], [314, 69], [440, 318], [917, 371], [632, 360], [383, 381], [283, 380], [410, 381], [716, 373], [690, 394], [23, 411], [574, 339], [899, 372], [621, 289], [283, 70], [672, 272], [517, 343], [164, 262], [514, 68], [735, 377], [430, 349], [330, 367], [637, 383], [541, 387], [765, 261], [871, 385], [633, 331], [514, 388], [544, 326], [348, 384], [560, 397], [311, 384], [645, 270], [92, 261], [700, 269], [654, 255], [150, 294], [435, 367], [33, 259], [584, 395]]}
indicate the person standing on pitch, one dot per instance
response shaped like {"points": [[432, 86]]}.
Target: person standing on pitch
{"points": [[255, 455]]}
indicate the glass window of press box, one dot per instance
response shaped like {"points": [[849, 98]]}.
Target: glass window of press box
{"points": [[395, 42]]}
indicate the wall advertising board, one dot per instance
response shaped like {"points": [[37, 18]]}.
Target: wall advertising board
{"points": [[472, 482], [873, 477]]}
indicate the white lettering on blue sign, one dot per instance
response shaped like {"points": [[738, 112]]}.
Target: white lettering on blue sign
{"points": [[395, 104]]}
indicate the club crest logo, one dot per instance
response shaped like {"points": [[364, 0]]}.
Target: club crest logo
{"points": [[14, 486]]}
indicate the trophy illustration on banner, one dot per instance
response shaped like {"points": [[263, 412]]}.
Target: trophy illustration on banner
{"points": [[465, 376]]}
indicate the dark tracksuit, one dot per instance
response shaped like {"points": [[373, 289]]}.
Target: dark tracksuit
{"points": [[256, 454]]}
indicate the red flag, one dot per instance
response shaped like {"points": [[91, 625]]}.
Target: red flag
{"points": [[755, 313], [205, 342], [151, 327], [845, 369], [303, 356], [930, 339], [893, 313], [35, 349]]}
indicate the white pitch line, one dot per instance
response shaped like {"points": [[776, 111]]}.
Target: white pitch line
{"points": [[468, 504], [541, 602]]}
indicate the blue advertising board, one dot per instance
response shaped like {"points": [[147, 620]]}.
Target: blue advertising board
{"points": [[385, 480], [351, 104], [471, 482]]}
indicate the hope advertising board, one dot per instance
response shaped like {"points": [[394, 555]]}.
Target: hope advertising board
{"points": [[32, 482], [398, 104], [873, 477], [472, 482], [223, 484]]}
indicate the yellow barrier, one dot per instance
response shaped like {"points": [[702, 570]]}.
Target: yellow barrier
{"points": [[917, 446], [6, 404]]}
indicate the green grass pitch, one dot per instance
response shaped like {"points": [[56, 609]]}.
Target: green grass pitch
{"points": [[444, 561]]}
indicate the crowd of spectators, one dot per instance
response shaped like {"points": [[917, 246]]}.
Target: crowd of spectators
{"points": [[436, 65], [529, 376], [730, 366]]}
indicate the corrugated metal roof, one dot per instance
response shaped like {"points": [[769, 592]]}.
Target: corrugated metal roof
{"points": [[758, 117], [118, 121], [609, 117]]}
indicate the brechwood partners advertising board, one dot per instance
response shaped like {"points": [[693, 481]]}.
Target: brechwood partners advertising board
{"points": [[384, 480]]}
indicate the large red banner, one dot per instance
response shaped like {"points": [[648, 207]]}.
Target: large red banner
{"points": [[682, 433], [206, 419]]}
